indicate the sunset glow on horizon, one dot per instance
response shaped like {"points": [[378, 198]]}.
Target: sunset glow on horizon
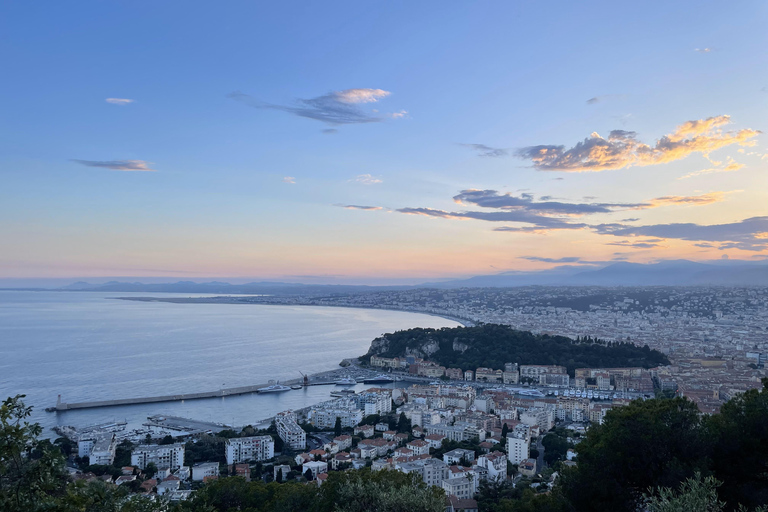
{"points": [[349, 142]]}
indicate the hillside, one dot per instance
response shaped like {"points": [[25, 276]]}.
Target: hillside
{"points": [[491, 345]]}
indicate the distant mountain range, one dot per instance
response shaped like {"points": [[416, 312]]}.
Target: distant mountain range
{"points": [[663, 273]]}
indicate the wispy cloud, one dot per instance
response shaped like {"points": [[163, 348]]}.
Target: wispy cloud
{"points": [[289, 179], [525, 201], [622, 149], [486, 151], [748, 234], [118, 165], [604, 97], [702, 50], [330, 131], [334, 108], [712, 197], [359, 207], [644, 244], [566, 259], [366, 179], [730, 167], [119, 101]]}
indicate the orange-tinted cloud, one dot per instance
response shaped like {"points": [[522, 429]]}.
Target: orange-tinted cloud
{"points": [[622, 149]]}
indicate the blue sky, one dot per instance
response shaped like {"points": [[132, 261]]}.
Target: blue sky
{"points": [[245, 186]]}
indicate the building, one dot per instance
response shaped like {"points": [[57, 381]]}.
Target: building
{"points": [[204, 470], [455, 456], [99, 448], [325, 415], [518, 448], [290, 431], [316, 467], [528, 467], [488, 375], [454, 373], [419, 447], [162, 455], [431, 471], [533, 372], [496, 465], [344, 442], [461, 487], [244, 449]]}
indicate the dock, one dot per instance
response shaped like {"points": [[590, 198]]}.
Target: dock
{"points": [[219, 393]]}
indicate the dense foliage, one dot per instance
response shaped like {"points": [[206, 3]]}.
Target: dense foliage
{"points": [[492, 345]]}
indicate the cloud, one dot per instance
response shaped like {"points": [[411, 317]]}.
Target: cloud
{"points": [[119, 101], [334, 108], [748, 234], [493, 199], [330, 131], [483, 150], [702, 50], [289, 179], [366, 179], [712, 197], [567, 259], [647, 244], [358, 207], [397, 115], [622, 149], [539, 221], [730, 167], [598, 99], [118, 165]]}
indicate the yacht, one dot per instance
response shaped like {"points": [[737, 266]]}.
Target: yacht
{"points": [[345, 381], [379, 379], [274, 388]]}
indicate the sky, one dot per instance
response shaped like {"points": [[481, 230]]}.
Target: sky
{"points": [[378, 141]]}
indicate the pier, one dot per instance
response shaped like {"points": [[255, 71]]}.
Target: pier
{"points": [[321, 380]]}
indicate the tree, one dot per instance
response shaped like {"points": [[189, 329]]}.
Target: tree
{"points": [[337, 427], [403, 423], [738, 446], [279, 478], [31, 471], [150, 470], [645, 444], [167, 440], [695, 495], [504, 431], [308, 475]]}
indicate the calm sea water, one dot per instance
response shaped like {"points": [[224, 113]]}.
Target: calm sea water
{"points": [[90, 346]]}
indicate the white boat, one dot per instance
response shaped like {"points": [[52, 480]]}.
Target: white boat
{"points": [[340, 393], [346, 381], [297, 386], [274, 388]]}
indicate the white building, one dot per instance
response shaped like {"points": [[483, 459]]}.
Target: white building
{"points": [[431, 471], [518, 448], [290, 431], [99, 448], [244, 449], [205, 469], [496, 465], [163, 455], [317, 467], [324, 415], [461, 487]]}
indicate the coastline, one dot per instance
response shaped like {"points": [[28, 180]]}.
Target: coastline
{"points": [[231, 299]]}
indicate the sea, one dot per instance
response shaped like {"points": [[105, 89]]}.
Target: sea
{"points": [[89, 346]]}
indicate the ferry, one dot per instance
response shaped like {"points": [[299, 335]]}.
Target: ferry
{"points": [[379, 379], [274, 388], [346, 381]]}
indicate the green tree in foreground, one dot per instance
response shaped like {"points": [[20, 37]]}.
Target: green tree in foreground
{"points": [[31, 472]]}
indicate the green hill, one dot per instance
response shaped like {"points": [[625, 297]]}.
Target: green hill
{"points": [[492, 345]]}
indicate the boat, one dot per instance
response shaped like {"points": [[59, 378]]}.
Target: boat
{"points": [[379, 379], [341, 393], [297, 386], [274, 388], [345, 381]]}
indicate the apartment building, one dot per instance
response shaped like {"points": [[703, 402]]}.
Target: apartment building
{"points": [[244, 449]]}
